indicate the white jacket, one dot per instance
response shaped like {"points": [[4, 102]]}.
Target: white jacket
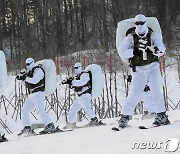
{"points": [[125, 50], [84, 78], [37, 76]]}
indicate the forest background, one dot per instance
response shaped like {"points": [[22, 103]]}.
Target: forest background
{"points": [[50, 28]]}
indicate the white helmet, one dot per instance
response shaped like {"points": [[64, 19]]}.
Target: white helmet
{"points": [[141, 25], [78, 68], [30, 63]]}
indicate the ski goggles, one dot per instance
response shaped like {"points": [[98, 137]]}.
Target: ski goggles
{"points": [[77, 67], [139, 22], [27, 64]]}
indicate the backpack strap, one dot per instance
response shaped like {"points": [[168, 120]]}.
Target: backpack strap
{"points": [[130, 31], [137, 61], [88, 84], [40, 86]]}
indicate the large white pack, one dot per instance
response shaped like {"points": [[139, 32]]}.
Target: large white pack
{"points": [[3, 69], [97, 80], [50, 75], [125, 25]]}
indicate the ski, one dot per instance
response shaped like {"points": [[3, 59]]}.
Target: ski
{"points": [[57, 130], [116, 129], [155, 126], [33, 133], [146, 127], [119, 128], [152, 126], [87, 126]]}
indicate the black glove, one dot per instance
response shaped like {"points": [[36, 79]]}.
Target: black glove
{"points": [[21, 77], [22, 72], [146, 88], [136, 51], [153, 49], [129, 78], [156, 49], [68, 81]]}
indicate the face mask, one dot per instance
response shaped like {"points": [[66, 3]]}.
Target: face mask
{"points": [[78, 70], [141, 25], [30, 67], [141, 29], [30, 64]]}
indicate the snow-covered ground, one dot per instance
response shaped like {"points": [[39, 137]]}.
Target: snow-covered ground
{"points": [[99, 140], [96, 140]]}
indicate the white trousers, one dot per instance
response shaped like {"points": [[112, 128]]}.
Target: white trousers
{"points": [[151, 74], [147, 101], [35, 100], [82, 102], [148, 104]]}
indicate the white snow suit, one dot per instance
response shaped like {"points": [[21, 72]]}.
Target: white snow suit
{"points": [[148, 105], [147, 73], [35, 99], [83, 100]]}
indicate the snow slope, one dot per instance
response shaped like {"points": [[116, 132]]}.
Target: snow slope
{"points": [[97, 140]]}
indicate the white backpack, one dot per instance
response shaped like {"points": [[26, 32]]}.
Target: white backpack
{"points": [[97, 80], [3, 69], [125, 25], [50, 75]]}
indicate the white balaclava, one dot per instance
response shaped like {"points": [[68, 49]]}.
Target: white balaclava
{"points": [[141, 30], [30, 64], [78, 68]]}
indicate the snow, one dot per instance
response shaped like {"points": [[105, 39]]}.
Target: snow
{"points": [[95, 140]]}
